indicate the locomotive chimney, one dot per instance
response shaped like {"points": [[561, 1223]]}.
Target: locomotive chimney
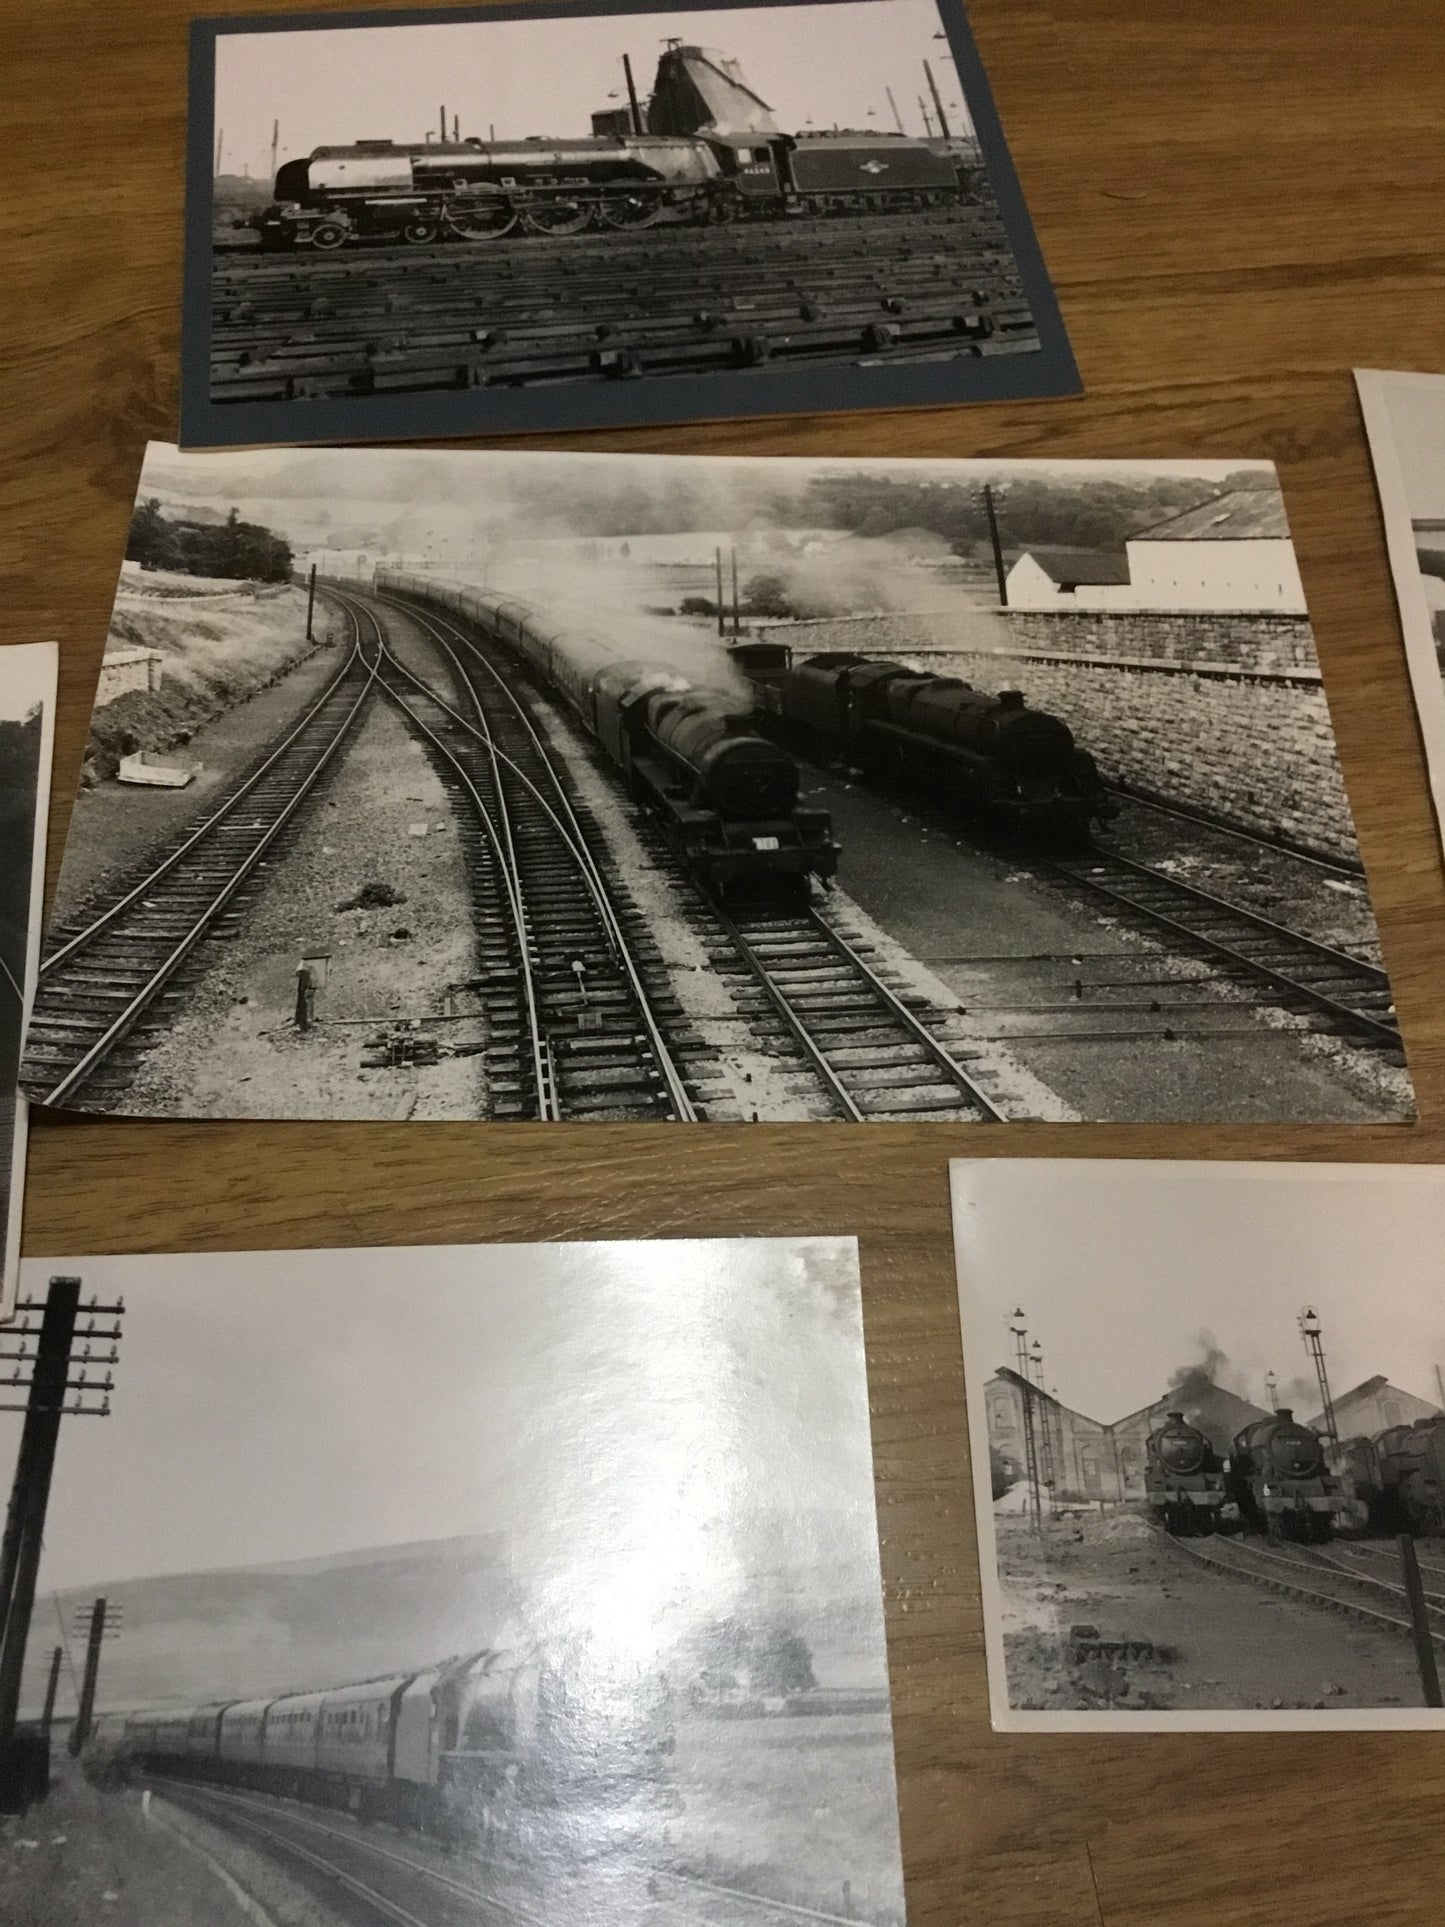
{"points": [[1286, 1412], [1176, 1417]]}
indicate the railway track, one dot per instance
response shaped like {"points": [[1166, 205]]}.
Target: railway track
{"points": [[104, 984], [380, 1880], [870, 1051], [718, 1905], [1333, 991], [577, 1015], [1337, 866], [599, 307], [1316, 1580]]}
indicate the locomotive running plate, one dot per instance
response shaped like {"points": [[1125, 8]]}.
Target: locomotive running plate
{"points": [[1207, 1423], [518, 218], [630, 788]]}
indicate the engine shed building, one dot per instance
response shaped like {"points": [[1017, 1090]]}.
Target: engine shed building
{"points": [[1373, 1405]]}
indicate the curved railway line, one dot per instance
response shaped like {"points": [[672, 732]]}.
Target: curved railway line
{"points": [[105, 980], [377, 1880], [588, 1032], [1335, 992], [607, 306], [1313, 1577]]}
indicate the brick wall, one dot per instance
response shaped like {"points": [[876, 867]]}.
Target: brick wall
{"points": [[1257, 753]]}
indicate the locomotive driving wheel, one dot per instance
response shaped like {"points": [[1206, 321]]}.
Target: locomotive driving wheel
{"points": [[558, 217], [630, 210], [421, 231], [481, 220]]}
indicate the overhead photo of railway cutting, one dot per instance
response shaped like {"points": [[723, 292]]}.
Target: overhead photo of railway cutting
{"points": [[477, 207], [512, 786], [1208, 1424], [599, 1642]]}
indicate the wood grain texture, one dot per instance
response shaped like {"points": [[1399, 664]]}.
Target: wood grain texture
{"points": [[1238, 202]]}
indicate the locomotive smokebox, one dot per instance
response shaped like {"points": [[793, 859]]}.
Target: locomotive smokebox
{"points": [[739, 774], [1033, 743]]}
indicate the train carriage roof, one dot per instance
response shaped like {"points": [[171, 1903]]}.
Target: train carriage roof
{"points": [[366, 1692]]}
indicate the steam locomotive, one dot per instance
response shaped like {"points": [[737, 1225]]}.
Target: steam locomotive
{"points": [[1400, 1475], [1278, 1479], [724, 797], [430, 1749], [984, 755], [1183, 1478], [710, 153]]}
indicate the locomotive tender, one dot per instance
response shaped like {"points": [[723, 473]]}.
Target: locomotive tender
{"points": [[724, 797], [1183, 1478], [711, 153], [1279, 1480], [989, 756], [427, 1749]]}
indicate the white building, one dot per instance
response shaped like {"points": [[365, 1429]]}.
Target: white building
{"points": [[1228, 556]]}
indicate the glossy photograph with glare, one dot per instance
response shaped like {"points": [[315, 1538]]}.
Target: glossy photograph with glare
{"points": [[510, 218], [551, 1593], [1207, 1418]]}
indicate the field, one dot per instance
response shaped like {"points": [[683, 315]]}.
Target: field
{"points": [[746, 1823]]}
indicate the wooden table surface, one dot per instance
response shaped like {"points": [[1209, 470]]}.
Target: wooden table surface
{"points": [[1239, 201]]}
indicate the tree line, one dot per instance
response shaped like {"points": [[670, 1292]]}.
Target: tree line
{"points": [[244, 550]]}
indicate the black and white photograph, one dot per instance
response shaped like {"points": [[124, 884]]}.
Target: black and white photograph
{"points": [[513, 786], [1405, 420], [1207, 1425], [535, 1584], [511, 218], [27, 726]]}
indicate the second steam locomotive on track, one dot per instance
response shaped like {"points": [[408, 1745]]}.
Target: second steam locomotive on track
{"points": [[709, 153]]}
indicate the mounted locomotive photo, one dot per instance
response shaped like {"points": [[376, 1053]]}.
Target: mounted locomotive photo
{"points": [[513, 218], [1207, 1423], [578, 1636], [514, 786]]}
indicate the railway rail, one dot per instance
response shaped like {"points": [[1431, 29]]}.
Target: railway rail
{"points": [[740, 1904], [1337, 866], [103, 984], [579, 1019], [1336, 992], [395, 1883], [609, 306], [872, 1054], [1316, 1580]]}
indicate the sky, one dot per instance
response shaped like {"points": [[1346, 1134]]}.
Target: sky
{"points": [[823, 64], [642, 1419], [27, 677], [1129, 1270], [1417, 417]]}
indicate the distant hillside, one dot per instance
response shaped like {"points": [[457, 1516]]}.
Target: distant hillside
{"points": [[270, 1629]]}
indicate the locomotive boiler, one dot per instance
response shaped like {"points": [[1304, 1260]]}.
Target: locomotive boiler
{"points": [[988, 756], [1279, 1480], [725, 798], [710, 152], [1399, 1474], [1183, 1478]]}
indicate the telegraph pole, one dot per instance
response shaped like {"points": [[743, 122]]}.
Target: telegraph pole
{"points": [[1031, 1449], [51, 1684], [310, 602], [737, 624], [996, 545], [927, 123], [100, 1624], [275, 145], [1271, 1386], [897, 117], [722, 621], [1309, 1326], [937, 101], [58, 1352]]}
